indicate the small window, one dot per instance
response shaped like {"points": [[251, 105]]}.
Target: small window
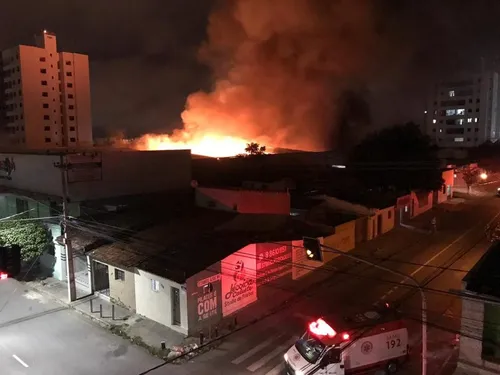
{"points": [[68, 62], [70, 96], [44, 83], [46, 128], [46, 117], [72, 139], [43, 71], [71, 106], [70, 85], [119, 274], [69, 74], [45, 105], [71, 118], [155, 285], [47, 140], [42, 59], [71, 128], [45, 94]]}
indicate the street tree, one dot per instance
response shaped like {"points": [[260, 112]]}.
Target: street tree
{"points": [[470, 175], [254, 148], [33, 238], [398, 158]]}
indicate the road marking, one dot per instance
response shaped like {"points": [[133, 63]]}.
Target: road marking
{"points": [[20, 360], [276, 370], [252, 351], [432, 259], [279, 350], [446, 361]]}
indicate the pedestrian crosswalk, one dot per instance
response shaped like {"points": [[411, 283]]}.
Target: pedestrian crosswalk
{"points": [[266, 357]]}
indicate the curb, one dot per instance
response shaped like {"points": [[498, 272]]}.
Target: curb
{"points": [[69, 305]]}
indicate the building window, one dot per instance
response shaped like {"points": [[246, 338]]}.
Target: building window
{"points": [[461, 111], [451, 112], [47, 140], [475, 119], [469, 119], [46, 128], [69, 85], [71, 118], [460, 139], [451, 93], [45, 105], [46, 117], [477, 109], [42, 59], [71, 106], [72, 139], [70, 96], [71, 128], [45, 94], [155, 285], [434, 121], [44, 83], [69, 74], [491, 333], [68, 62], [119, 274], [43, 71]]}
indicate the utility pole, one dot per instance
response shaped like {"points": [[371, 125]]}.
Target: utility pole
{"points": [[70, 268]]}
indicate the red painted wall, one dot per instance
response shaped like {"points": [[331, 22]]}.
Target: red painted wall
{"points": [[244, 201]]}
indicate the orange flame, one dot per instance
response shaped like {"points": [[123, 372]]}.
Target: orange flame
{"points": [[209, 144]]}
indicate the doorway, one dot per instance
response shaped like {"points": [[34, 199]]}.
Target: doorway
{"points": [[101, 278], [176, 306]]}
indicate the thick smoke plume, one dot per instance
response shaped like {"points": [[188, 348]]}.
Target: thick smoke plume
{"points": [[280, 66]]}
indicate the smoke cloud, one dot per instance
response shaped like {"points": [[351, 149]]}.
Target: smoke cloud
{"points": [[280, 66]]}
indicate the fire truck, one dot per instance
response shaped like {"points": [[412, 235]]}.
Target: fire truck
{"points": [[370, 340]]}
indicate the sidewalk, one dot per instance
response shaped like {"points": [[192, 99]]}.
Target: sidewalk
{"points": [[118, 320]]}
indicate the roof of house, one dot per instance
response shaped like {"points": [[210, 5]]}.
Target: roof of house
{"points": [[484, 277], [184, 247], [368, 198]]}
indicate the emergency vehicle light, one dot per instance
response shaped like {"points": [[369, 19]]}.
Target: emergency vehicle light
{"points": [[345, 336], [3, 276], [321, 328]]}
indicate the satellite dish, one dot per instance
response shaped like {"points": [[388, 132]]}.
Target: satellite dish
{"points": [[194, 184]]}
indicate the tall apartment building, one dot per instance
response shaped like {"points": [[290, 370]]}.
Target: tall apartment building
{"points": [[464, 112], [45, 96]]}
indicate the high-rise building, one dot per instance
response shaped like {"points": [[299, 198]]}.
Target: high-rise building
{"points": [[464, 112], [45, 96]]}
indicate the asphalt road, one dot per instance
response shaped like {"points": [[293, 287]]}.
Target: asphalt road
{"points": [[39, 336], [437, 261]]}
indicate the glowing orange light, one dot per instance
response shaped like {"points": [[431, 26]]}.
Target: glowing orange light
{"points": [[213, 145], [321, 328], [345, 336]]}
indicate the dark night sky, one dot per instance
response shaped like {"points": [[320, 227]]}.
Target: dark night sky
{"points": [[143, 53]]}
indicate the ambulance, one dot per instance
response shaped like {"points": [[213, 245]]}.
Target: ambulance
{"points": [[372, 340]]}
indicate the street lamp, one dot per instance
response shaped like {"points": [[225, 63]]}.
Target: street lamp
{"points": [[483, 176], [313, 243]]}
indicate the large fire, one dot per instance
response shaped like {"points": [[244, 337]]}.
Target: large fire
{"points": [[210, 144], [278, 71]]}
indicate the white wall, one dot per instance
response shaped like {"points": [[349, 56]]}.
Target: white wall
{"points": [[136, 172], [34, 172], [122, 291], [157, 305], [122, 173]]}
